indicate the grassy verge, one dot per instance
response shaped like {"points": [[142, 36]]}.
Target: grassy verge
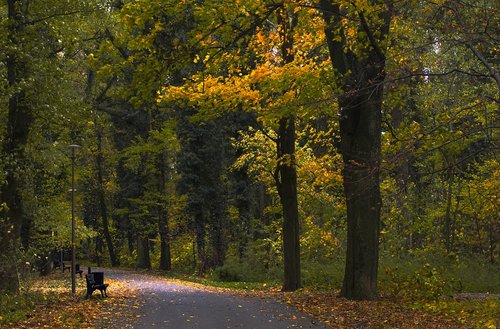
{"points": [[213, 282], [411, 310], [476, 313]]}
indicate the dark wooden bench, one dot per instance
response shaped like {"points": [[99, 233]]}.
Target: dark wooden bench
{"points": [[65, 267], [57, 264], [77, 269], [95, 281]]}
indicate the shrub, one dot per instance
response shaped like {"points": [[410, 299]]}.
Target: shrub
{"points": [[428, 275]]}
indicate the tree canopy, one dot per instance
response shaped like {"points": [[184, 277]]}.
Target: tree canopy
{"points": [[250, 140]]}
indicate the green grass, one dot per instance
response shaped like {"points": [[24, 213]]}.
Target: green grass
{"points": [[14, 308], [481, 314], [432, 275], [213, 282]]}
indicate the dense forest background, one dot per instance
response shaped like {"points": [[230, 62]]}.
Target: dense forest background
{"points": [[339, 144]]}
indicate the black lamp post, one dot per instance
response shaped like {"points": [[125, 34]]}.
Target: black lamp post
{"points": [[73, 276]]}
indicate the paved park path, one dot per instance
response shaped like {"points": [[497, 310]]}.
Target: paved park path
{"points": [[174, 304]]}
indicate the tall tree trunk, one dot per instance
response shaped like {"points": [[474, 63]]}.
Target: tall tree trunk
{"points": [[244, 229], [286, 181], [360, 131], [217, 238], [26, 225], [360, 147], [13, 150], [102, 197], [143, 259], [286, 172], [165, 254], [45, 266], [163, 229], [200, 242]]}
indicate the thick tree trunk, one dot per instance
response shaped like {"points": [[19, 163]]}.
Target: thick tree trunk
{"points": [[26, 225], [18, 127], [200, 243], [362, 75], [165, 254], [217, 237], [286, 181], [286, 172], [102, 198], [143, 259], [360, 146], [46, 265]]}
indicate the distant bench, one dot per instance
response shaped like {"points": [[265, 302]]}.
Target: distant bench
{"points": [[95, 281], [68, 267]]}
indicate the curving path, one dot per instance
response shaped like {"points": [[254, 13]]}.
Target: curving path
{"points": [[171, 304]]}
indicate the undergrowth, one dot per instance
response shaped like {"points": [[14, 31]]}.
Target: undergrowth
{"points": [[425, 281]]}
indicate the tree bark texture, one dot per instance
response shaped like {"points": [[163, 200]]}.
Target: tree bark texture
{"points": [[143, 259], [286, 172], [217, 235], [360, 106], [200, 242], [360, 147], [18, 128], [286, 181]]}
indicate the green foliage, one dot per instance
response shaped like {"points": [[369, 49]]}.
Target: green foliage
{"points": [[325, 274], [480, 313], [423, 284], [128, 260], [182, 254], [165, 83], [431, 275], [15, 308], [214, 282], [247, 271]]}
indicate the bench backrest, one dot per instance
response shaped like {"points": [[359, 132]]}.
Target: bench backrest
{"points": [[90, 279], [98, 277]]}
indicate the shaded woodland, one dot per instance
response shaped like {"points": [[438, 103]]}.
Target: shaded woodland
{"points": [[350, 145]]}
